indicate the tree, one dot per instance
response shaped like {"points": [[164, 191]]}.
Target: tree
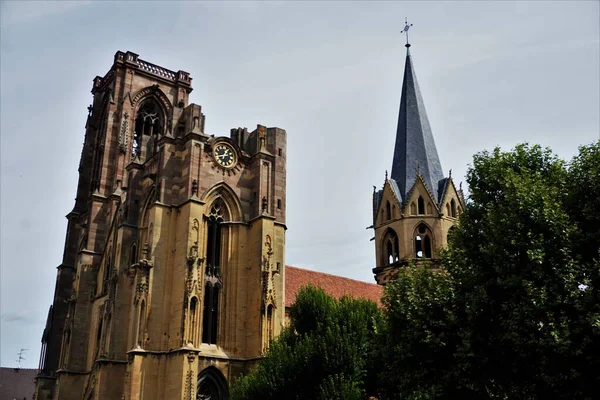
{"points": [[514, 309], [518, 278], [324, 354], [417, 345]]}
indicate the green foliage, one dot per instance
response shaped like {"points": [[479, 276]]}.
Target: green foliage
{"points": [[512, 313], [323, 355], [418, 342], [517, 276]]}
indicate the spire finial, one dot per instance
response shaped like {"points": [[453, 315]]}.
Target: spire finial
{"points": [[386, 178], [405, 30]]}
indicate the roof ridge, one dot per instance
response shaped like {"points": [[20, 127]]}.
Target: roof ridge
{"points": [[333, 275]]}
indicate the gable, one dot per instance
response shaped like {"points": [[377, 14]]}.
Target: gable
{"points": [[451, 194], [412, 205], [389, 195]]}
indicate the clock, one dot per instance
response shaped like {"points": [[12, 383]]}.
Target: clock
{"points": [[224, 155]]}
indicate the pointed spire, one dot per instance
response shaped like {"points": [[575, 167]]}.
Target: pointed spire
{"points": [[415, 145]]}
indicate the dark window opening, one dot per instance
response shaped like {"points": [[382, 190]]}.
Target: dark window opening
{"points": [[213, 246], [279, 204], [193, 319], [279, 152], [142, 324], [388, 211], [270, 323], [107, 268], [391, 247], [148, 129], [423, 242], [211, 314], [453, 208], [211, 385], [133, 255], [421, 205], [98, 337]]}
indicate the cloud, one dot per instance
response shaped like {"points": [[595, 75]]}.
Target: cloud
{"points": [[17, 12], [20, 317]]}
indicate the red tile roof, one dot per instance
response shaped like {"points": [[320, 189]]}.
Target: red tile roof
{"points": [[333, 285]]}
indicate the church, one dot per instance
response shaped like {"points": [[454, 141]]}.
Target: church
{"points": [[173, 279]]}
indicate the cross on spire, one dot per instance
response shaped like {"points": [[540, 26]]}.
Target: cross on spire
{"points": [[405, 30]]}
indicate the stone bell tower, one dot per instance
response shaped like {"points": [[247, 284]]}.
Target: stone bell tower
{"points": [[417, 205], [172, 281]]}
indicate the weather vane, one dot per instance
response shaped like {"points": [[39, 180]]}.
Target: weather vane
{"points": [[405, 30]]}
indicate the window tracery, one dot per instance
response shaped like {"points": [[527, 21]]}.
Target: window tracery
{"points": [[390, 246], [148, 128], [213, 282], [423, 242]]}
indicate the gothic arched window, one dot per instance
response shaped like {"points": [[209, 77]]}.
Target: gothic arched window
{"points": [[421, 205], [390, 247], [388, 212], [148, 129], [453, 208], [211, 385], [423, 242], [214, 238]]}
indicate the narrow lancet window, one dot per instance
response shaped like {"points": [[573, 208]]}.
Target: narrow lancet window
{"points": [[388, 212], [390, 248], [214, 237], [211, 314], [421, 204], [422, 242]]}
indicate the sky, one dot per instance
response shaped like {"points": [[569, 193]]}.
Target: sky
{"points": [[492, 73]]}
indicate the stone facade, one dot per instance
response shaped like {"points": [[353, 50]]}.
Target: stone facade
{"points": [[172, 280]]}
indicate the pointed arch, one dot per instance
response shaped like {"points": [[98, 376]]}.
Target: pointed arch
{"points": [[152, 92], [390, 247], [211, 385], [149, 126], [423, 241], [229, 197], [453, 208], [388, 210]]}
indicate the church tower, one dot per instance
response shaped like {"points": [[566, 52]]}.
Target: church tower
{"points": [[172, 280], [417, 205]]}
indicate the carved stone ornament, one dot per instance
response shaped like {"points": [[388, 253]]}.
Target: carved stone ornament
{"points": [[190, 383], [123, 134]]}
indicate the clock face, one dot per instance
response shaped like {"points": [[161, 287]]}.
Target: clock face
{"points": [[224, 155]]}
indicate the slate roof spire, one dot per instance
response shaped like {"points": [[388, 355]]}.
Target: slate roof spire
{"points": [[415, 151]]}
